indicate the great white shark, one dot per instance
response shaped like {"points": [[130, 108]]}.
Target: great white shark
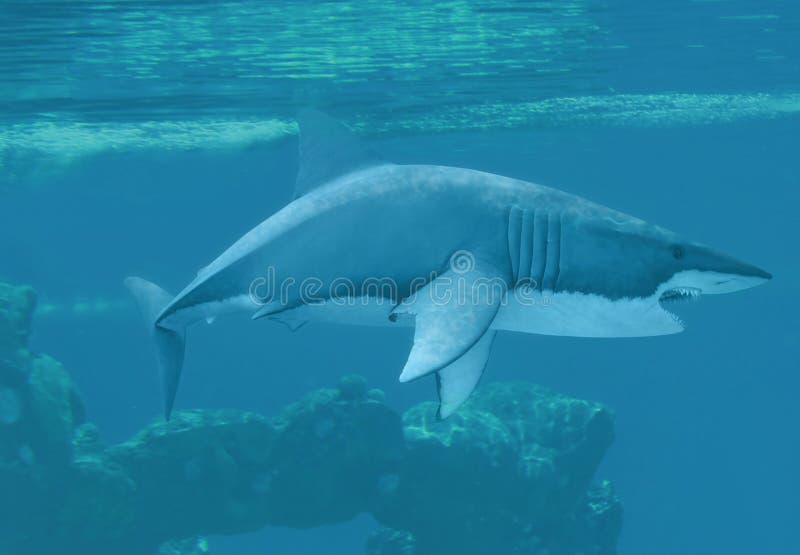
{"points": [[456, 253]]}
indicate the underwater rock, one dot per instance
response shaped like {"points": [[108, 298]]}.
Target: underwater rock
{"points": [[26, 504], [193, 473], [193, 546], [39, 409], [10, 406], [39, 405], [23, 483], [86, 441], [97, 509], [376, 395], [227, 472], [391, 542], [54, 408], [16, 311], [509, 469], [557, 435], [599, 520], [332, 477], [352, 387]]}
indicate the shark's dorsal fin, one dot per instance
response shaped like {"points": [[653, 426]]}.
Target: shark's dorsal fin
{"points": [[328, 149]]}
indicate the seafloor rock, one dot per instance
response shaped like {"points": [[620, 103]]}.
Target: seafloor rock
{"points": [[16, 310], [510, 469], [509, 473], [96, 510], [193, 546], [39, 408], [54, 409], [386, 541], [331, 452], [226, 472], [38, 401]]}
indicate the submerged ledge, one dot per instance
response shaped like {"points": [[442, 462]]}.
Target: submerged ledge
{"points": [[26, 147]]}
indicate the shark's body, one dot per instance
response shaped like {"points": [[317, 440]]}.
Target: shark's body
{"points": [[462, 253]]}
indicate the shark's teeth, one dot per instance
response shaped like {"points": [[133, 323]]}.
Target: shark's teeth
{"points": [[675, 318], [676, 295], [681, 294]]}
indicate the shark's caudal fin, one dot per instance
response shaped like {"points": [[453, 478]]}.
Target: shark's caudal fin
{"points": [[169, 343], [328, 149]]}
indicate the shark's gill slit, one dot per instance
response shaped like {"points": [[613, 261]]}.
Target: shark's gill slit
{"points": [[553, 254], [526, 247], [514, 240], [539, 247]]}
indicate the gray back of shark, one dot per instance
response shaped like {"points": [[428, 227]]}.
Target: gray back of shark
{"points": [[456, 253]]}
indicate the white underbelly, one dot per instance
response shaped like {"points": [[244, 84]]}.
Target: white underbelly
{"points": [[566, 314], [582, 315], [359, 311]]}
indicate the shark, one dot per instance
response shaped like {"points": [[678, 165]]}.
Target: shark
{"points": [[458, 254]]}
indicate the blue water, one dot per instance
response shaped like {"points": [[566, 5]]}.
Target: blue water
{"points": [[142, 138]]}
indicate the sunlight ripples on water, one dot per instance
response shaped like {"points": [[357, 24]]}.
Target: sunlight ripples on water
{"points": [[80, 78]]}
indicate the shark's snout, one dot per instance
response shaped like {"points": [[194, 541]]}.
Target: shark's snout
{"points": [[733, 283], [726, 274], [710, 272]]}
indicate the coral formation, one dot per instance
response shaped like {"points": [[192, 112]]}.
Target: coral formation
{"points": [[511, 472]]}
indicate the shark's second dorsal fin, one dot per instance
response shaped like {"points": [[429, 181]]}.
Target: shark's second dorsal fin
{"points": [[328, 149]]}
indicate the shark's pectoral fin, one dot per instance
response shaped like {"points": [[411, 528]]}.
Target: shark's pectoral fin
{"points": [[451, 313], [456, 382]]}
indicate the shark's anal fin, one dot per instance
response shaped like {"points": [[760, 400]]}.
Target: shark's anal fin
{"points": [[451, 313], [328, 149], [293, 325], [455, 382], [279, 313]]}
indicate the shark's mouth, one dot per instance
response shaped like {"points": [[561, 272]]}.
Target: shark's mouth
{"points": [[680, 294], [673, 298]]}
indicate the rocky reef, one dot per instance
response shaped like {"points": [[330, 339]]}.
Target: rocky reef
{"points": [[511, 472]]}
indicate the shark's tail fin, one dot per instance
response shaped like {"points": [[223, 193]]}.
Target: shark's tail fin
{"points": [[169, 343]]}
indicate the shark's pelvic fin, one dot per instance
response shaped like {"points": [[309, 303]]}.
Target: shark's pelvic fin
{"points": [[170, 343], [456, 382], [328, 149], [451, 313], [266, 311]]}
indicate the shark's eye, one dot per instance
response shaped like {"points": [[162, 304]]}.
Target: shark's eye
{"points": [[677, 252]]}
